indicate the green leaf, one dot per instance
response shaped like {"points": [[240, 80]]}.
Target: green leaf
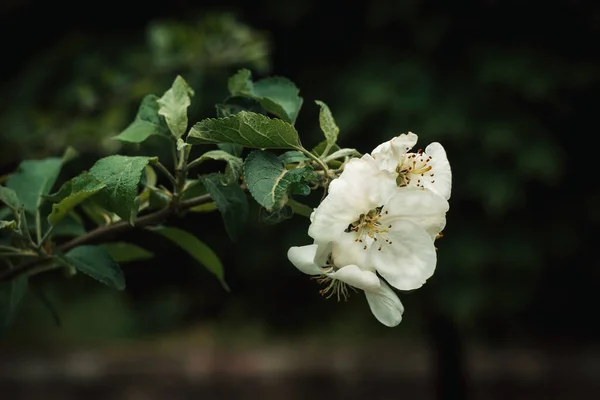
{"points": [[97, 263], [248, 129], [70, 225], [231, 202], [328, 125], [147, 122], [292, 157], [269, 182], [240, 83], [319, 149], [234, 163], [71, 194], [123, 252], [8, 225], [197, 249], [11, 295], [121, 175], [34, 179], [173, 106], [231, 148], [277, 95], [9, 197]]}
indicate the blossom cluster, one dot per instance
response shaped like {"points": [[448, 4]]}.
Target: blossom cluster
{"points": [[378, 224]]}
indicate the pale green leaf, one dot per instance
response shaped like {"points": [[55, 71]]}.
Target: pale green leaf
{"points": [[342, 153], [121, 175], [270, 183], [11, 295], [327, 123], [231, 202], [97, 263], [248, 129], [174, 104], [8, 225], [197, 249], [9, 197], [147, 122], [124, 252], [71, 194], [240, 83], [292, 157], [234, 163], [33, 180]]}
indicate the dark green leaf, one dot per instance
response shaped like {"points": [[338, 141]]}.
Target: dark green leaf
{"points": [[121, 175], [10, 198], [11, 295], [231, 202], [71, 194], [248, 129], [34, 179], [97, 263], [292, 157], [123, 252], [231, 148], [197, 249], [269, 182], [174, 104], [147, 122], [70, 225]]}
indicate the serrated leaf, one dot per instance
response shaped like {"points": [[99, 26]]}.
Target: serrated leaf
{"points": [[174, 104], [231, 202], [292, 157], [269, 182], [121, 175], [234, 163], [146, 123], [327, 123], [11, 295], [277, 95], [33, 180], [97, 263], [124, 252], [197, 249], [10, 198], [71, 194], [248, 129], [8, 225]]}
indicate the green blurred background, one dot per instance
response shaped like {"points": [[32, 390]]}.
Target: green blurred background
{"points": [[510, 90]]}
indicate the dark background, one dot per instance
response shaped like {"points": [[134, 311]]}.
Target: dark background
{"points": [[509, 89]]}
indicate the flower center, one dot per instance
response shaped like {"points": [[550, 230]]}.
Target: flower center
{"points": [[369, 228], [334, 287], [414, 167]]}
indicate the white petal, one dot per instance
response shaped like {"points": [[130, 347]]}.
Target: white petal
{"points": [[421, 206], [303, 258], [385, 305], [360, 188], [346, 251], [410, 260], [442, 184], [389, 153], [354, 276]]}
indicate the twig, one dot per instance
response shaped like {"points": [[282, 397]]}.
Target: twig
{"points": [[104, 232]]}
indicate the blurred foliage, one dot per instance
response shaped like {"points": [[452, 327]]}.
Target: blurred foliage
{"points": [[81, 91], [506, 92]]}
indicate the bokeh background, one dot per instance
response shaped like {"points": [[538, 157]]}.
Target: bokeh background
{"points": [[509, 88]]}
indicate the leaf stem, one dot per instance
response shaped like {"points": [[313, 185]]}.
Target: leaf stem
{"points": [[38, 226], [165, 171], [104, 232]]}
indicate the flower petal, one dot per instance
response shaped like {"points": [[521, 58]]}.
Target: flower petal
{"points": [[410, 260], [389, 153], [421, 206], [442, 184], [354, 276], [303, 258], [385, 305]]}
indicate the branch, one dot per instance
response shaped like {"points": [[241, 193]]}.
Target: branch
{"points": [[104, 232]]}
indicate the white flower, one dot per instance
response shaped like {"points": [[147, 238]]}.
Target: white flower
{"points": [[429, 169], [320, 260], [374, 224]]}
